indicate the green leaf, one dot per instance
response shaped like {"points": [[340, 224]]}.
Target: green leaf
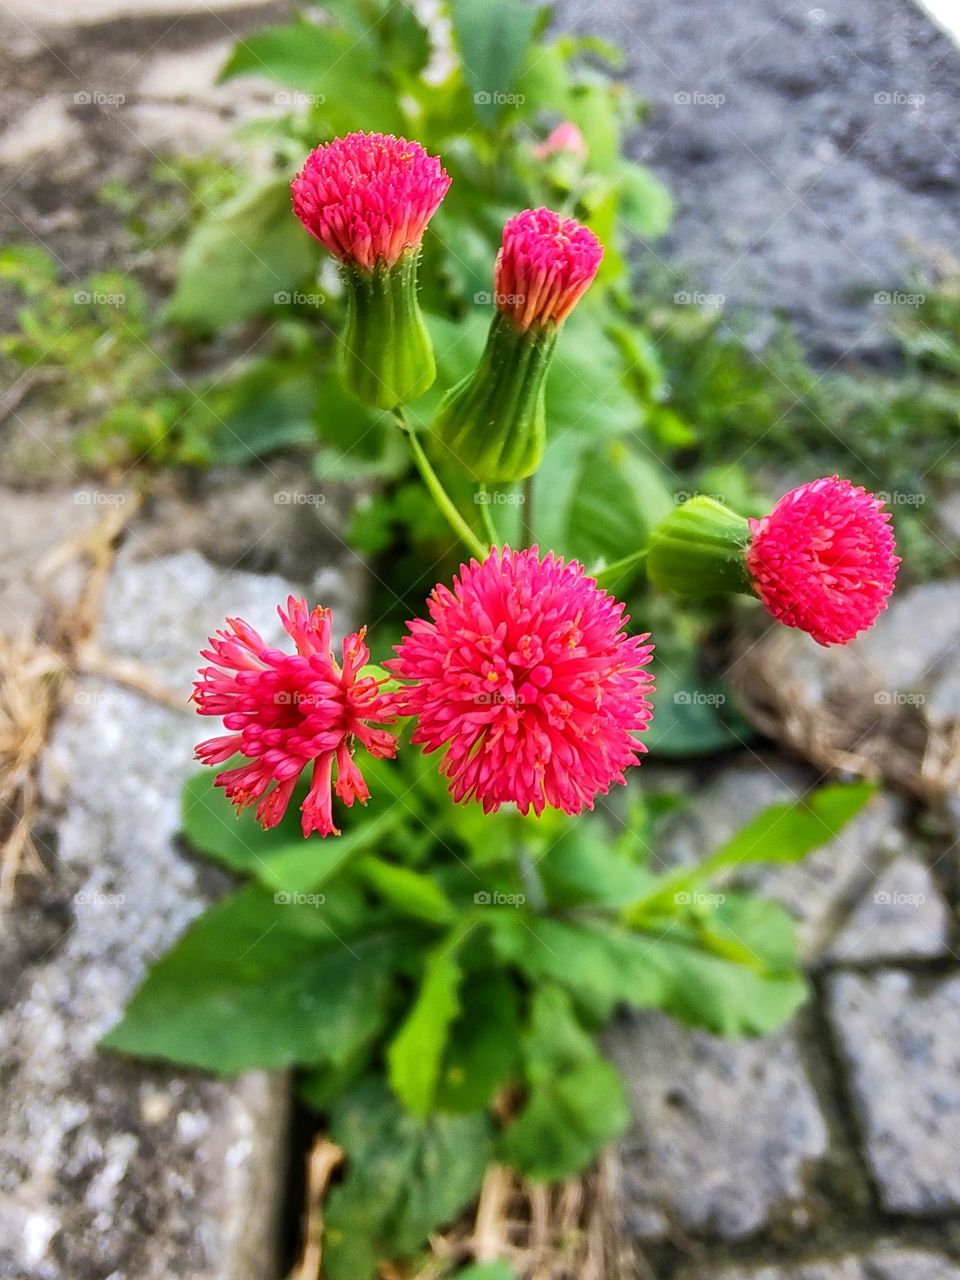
{"points": [[257, 983], [565, 1124], [482, 1050], [646, 207], [405, 1178], [583, 867], [781, 833], [789, 831], [239, 256], [414, 1055], [577, 1101], [694, 715], [326, 63], [409, 891], [487, 1271], [280, 858], [649, 970], [493, 37]]}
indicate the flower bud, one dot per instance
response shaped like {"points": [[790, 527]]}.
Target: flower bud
{"points": [[368, 198], [493, 421], [699, 549], [823, 560]]}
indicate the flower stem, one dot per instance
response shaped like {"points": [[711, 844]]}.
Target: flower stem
{"points": [[526, 512], [611, 575], [438, 493], [486, 516]]}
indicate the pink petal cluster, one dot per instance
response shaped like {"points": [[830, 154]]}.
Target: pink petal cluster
{"points": [[544, 267], [824, 559], [526, 675], [565, 137], [287, 710], [369, 196]]}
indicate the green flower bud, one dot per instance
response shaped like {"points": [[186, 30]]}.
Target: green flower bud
{"points": [[386, 357], [700, 549]]}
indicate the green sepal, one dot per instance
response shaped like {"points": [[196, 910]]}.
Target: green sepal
{"points": [[700, 549], [493, 422], [386, 357]]}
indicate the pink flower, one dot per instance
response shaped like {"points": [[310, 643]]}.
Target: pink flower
{"points": [[823, 559], [369, 196], [565, 137], [527, 678], [286, 710], [544, 267]]}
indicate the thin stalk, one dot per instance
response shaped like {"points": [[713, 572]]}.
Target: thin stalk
{"points": [[436, 490], [612, 574], [486, 516], [526, 512]]}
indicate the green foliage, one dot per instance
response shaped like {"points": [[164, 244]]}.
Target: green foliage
{"points": [[468, 960]]}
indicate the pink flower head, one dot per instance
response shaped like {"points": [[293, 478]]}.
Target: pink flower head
{"points": [[544, 267], [286, 710], [823, 559], [527, 678], [566, 137], [369, 196]]}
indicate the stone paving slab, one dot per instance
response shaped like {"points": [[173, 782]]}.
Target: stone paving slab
{"points": [[903, 916], [817, 891], [109, 1168], [898, 1035], [880, 1264], [724, 1132]]}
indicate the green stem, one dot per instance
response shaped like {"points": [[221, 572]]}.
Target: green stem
{"points": [[612, 574], [526, 512], [438, 493], [486, 516]]}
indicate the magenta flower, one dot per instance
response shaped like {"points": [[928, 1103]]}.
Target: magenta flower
{"points": [[565, 138], [545, 265], [287, 710], [824, 559], [369, 196], [526, 676]]}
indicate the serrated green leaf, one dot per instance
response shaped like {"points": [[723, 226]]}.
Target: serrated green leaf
{"points": [[280, 858], [327, 63], [253, 247], [781, 833], [577, 1102], [483, 1047], [259, 983], [409, 891], [415, 1053], [493, 37], [606, 965], [405, 1177]]}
